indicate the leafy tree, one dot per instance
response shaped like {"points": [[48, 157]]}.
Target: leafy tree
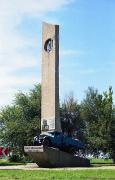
{"points": [[21, 121], [71, 121], [97, 113], [112, 136]]}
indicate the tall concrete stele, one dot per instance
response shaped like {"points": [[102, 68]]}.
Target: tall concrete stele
{"points": [[50, 78], [51, 157]]}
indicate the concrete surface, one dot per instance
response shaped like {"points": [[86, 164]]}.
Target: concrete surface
{"points": [[53, 157], [50, 79]]}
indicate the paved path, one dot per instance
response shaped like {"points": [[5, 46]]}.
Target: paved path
{"points": [[33, 166]]}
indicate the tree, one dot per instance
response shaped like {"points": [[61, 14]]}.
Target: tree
{"points": [[71, 121], [21, 121], [97, 113], [112, 136]]}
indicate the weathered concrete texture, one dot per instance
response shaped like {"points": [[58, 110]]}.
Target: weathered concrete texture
{"points": [[52, 157], [50, 78]]}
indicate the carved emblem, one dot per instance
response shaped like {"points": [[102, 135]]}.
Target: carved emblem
{"points": [[48, 45]]}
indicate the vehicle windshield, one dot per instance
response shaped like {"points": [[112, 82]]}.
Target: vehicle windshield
{"points": [[53, 133]]}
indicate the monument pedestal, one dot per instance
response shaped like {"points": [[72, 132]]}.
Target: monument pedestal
{"points": [[53, 157]]}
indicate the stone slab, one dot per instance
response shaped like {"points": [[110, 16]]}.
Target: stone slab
{"points": [[53, 157]]}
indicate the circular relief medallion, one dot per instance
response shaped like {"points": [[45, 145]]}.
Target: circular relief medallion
{"points": [[48, 45]]}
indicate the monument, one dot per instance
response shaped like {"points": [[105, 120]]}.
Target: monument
{"points": [[50, 156], [50, 78]]}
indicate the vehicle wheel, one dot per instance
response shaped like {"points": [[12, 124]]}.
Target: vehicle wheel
{"points": [[46, 143], [35, 143]]}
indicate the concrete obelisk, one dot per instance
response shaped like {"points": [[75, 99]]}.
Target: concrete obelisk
{"points": [[50, 78], [51, 157]]}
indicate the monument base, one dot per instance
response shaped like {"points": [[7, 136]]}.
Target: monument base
{"points": [[53, 157]]}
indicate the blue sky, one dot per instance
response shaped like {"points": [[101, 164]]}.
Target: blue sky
{"points": [[87, 45]]}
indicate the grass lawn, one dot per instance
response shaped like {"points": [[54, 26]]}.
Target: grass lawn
{"points": [[5, 162], [57, 174], [101, 161]]}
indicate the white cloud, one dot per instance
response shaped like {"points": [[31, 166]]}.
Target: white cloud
{"points": [[87, 71], [92, 70], [16, 62], [11, 84], [70, 52], [16, 50]]}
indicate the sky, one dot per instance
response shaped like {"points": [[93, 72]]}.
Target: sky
{"points": [[87, 45]]}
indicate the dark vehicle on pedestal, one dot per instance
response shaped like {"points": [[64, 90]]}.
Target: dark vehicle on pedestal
{"points": [[59, 140]]}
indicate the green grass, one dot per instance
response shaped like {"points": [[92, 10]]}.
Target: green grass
{"points": [[5, 162], [101, 161], [60, 174], [57, 174]]}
